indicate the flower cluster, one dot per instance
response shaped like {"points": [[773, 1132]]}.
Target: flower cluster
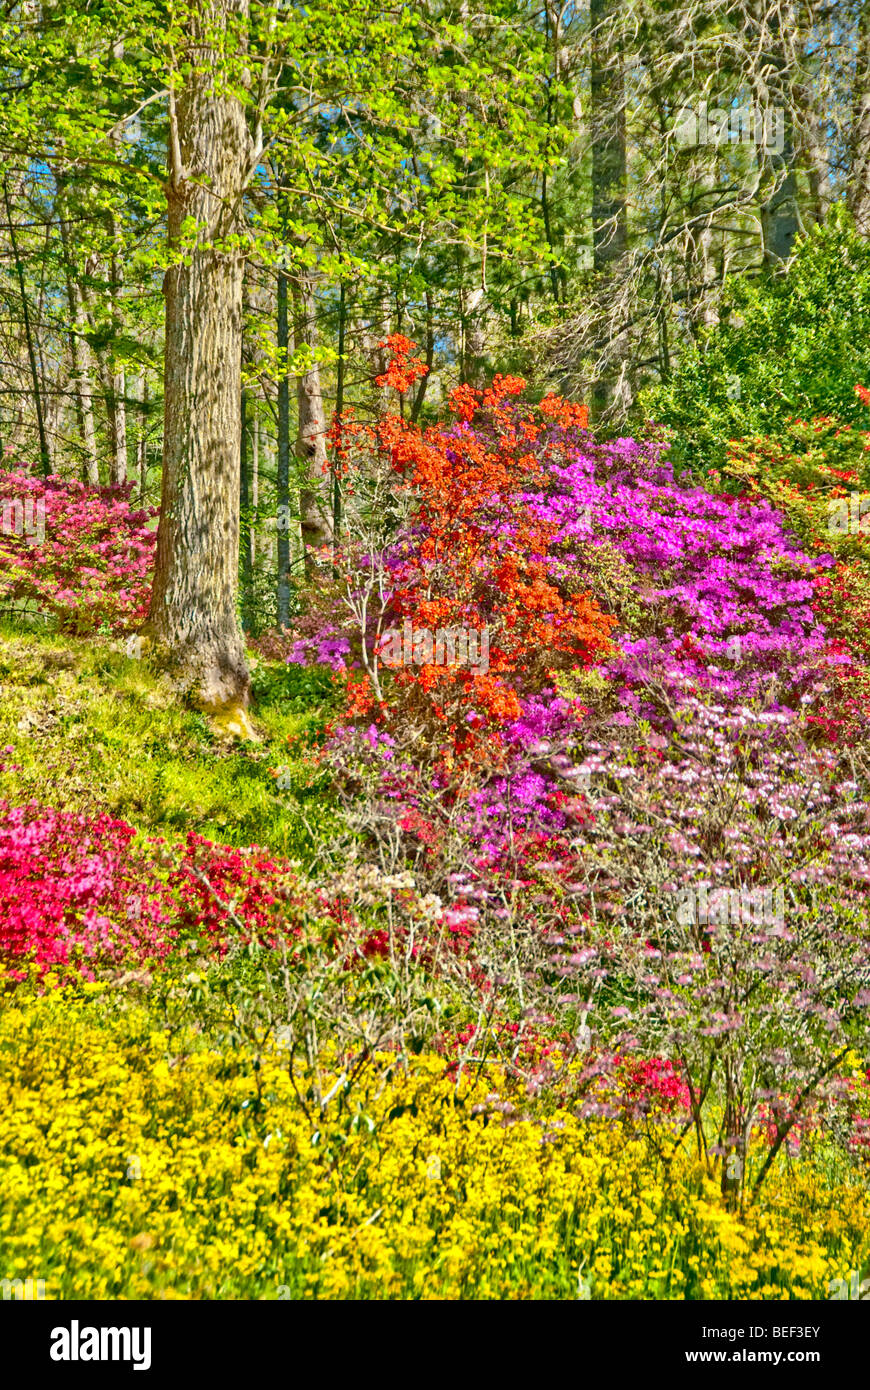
{"points": [[166, 1170], [91, 568], [81, 894]]}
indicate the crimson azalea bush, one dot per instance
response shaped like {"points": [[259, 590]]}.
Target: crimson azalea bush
{"points": [[83, 556]]}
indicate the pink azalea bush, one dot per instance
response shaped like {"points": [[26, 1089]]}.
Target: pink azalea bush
{"points": [[82, 893], [75, 892], [91, 568]]}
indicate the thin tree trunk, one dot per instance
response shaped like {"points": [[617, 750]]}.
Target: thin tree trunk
{"points": [[113, 385], [119, 427], [255, 482], [245, 511], [430, 358], [779, 222], [85, 397], [779, 212], [142, 441], [193, 618], [609, 193], [858, 185], [28, 336], [80, 355], [315, 509], [283, 479], [609, 177], [339, 410], [119, 378]]}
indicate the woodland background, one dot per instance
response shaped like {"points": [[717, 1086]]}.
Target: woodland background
{"points": [[506, 184]]}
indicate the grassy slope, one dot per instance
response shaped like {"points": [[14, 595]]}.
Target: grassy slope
{"points": [[92, 730]]}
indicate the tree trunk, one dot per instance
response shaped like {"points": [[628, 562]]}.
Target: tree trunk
{"points": [[245, 527], [45, 456], [193, 619], [858, 185], [255, 481], [142, 441], [314, 501], [118, 426], [80, 355], [283, 476], [779, 212], [608, 140], [609, 176], [779, 221]]}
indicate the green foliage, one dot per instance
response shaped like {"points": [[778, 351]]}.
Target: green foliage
{"points": [[788, 345]]}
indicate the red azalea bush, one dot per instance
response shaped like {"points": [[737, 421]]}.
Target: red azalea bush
{"points": [[220, 892], [84, 554]]}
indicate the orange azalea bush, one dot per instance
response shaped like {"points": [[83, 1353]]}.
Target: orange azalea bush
{"points": [[471, 555]]}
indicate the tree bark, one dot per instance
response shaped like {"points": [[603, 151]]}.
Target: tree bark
{"points": [[609, 168], [142, 441], [245, 527], [609, 188], [80, 355], [45, 456], [779, 212], [193, 618], [858, 185], [282, 498], [314, 501]]}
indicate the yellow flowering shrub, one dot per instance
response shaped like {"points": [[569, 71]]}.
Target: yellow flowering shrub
{"points": [[139, 1165]]}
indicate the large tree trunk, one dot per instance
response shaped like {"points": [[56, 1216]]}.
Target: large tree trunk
{"points": [[193, 620]]}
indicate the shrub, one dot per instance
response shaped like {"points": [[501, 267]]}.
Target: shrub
{"points": [[91, 569], [788, 345]]}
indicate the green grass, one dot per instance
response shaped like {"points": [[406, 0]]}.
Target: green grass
{"points": [[90, 729]]}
